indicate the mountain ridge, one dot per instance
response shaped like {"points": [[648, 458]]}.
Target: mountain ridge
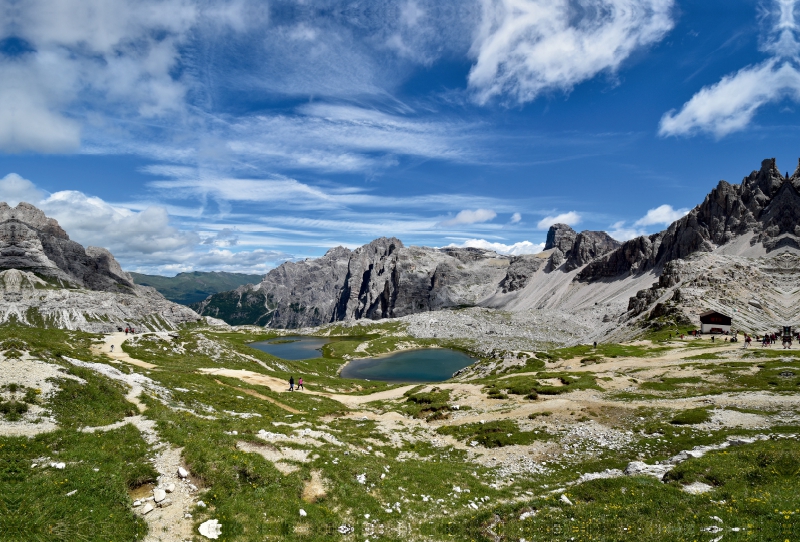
{"points": [[586, 273]]}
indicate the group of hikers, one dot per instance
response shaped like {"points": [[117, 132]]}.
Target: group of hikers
{"points": [[128, 329], [299, 384], [767, 340]]}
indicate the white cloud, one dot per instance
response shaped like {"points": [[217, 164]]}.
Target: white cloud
{"points": [[620, 232], [14, 189], [92, 221], [515, 218], [571, 218], [469, 217], [525, 47], [113, 59], [663, 214], [523, 247], [730, 105]]}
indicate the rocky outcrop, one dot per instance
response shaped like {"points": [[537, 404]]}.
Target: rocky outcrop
{"points": [[766, 204], [46, 279], [382, 279], [30, 241], [520, 272], [589, 245], [574, 249], [560, 236]]}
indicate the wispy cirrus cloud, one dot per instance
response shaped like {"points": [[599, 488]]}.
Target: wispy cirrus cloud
{"points": [[729, 105]]}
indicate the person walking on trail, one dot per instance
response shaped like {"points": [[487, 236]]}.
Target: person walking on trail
{"points": [[291, 383], [112, 348], [747, 341], [300, 384]]}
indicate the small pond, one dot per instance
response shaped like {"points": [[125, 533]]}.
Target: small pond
{"points": [[293, 348], [422, 365]]}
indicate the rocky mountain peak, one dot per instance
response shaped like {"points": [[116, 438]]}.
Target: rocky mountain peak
{"points": [[765, 204], [560, 236], [32, 242]]}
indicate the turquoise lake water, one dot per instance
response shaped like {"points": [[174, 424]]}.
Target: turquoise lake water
{"points": [[423, 365], [297, 348]]}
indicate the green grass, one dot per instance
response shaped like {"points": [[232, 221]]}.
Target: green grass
{"points": [[493, 434], [691, 417], [432, 405]]}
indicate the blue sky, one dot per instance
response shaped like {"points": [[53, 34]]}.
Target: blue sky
{"points": [[197, 135]]}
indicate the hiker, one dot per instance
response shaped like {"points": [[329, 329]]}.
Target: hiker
{"points": [[112, 347], [126, 331], [300, 384], [291, 383], [712, 338], [746, 340]]}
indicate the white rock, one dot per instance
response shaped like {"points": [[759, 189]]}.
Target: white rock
{"points": [[96, 470], [187, 515], [697, 488], [159, 495], [169, 488], [303, 513], [366, 516], [383, 475], [210, 529], [201, 504], [71, 493], [165, 503], [183, 473], [566, 500], [147, 508], [137, 503], [526, 515], [639, 468], [59, 466]]}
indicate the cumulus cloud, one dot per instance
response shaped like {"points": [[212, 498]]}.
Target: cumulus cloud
{"points": [[729, 105], [469, 217], [93, 221], [515, 218], [571, 218], [14, 189], [523, 247], [663, 214], [621, 232], [526, 47]]}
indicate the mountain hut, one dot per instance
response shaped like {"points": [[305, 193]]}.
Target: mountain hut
{"points": [[715, 322]]}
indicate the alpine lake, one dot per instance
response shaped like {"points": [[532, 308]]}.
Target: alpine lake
{"points": [[418, 365]]}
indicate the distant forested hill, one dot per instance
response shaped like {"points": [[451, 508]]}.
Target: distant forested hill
{"points": [[187, 288]]}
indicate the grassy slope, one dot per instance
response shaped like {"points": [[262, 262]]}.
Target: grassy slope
{"points": [[754, 485], [188, 288]]}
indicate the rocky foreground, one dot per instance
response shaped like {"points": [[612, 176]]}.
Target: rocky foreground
{"points": [[193, 435]]}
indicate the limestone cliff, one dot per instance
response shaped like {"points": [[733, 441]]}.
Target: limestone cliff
{"points": [[48, 279]]}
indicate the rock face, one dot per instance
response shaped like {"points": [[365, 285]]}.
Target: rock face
{"points": [[29, 241], [48, 279], [766, 204], [560, 236], [382, 279], [574, 249]]}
